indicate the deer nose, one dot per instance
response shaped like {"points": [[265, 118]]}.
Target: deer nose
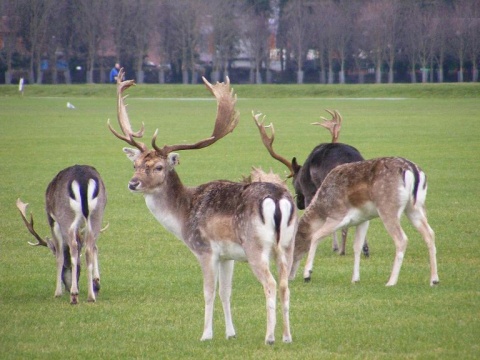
{"points": [[133, 184]]}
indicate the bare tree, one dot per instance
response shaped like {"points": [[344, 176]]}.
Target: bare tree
{"points": [[371, 33], [256, 34], [164, 38], [441, 32], [392, 32], [410, 35], [461, 22], [9, 26], [225, 34], [473, 38], [91, 19], [36, 32], [185, 26], [298, 17]]}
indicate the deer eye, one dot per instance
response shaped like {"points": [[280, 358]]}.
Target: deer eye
{"points": [[159, 168]]}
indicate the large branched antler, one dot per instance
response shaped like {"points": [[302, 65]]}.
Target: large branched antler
{"points": [[268, 141], [226, 120], [122, 116], [22, 207], [333, 125]]}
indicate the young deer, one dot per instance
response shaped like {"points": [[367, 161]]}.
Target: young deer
{"points": [[220, 221], [322, 159], [352, 194], [74, 202]]}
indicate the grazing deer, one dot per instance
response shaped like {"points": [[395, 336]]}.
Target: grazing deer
{"points": [[352, 194], [220, 221], [323, 158], [74, 202]]}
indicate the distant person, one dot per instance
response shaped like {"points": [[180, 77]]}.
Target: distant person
{"points": [[114, 73]]}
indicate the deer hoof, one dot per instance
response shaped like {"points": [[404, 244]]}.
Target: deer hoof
{"points": [[366, 251], [96, 286], [74, 299], [307, 279]]}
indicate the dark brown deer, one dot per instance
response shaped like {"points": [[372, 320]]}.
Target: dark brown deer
{"points": [[323, 158], [220, 221], [74, 202], [352, 194]]}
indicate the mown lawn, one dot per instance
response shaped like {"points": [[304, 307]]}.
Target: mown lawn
{"points": [[151, 302]]}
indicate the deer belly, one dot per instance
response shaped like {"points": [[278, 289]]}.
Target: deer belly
{"points": [[358, 215], [228, 250]]}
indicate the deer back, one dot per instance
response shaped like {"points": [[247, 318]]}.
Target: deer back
{"points": [[388, 184]]}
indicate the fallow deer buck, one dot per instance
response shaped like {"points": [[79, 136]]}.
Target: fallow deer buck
{"points": [[322, 159], [220, 221], [352, 194], [74, 202]]}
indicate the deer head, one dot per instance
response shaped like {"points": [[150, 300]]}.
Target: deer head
{"points": [[152, 166], [294, 168]]}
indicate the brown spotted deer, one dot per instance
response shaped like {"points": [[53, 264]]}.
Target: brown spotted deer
{"points": [[74, 202], [352, 194], [308, 177], [220, 221]]}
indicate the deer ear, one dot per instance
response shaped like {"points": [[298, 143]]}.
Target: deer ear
{"points": [[132, 154], [173, 159], [295, 166]]}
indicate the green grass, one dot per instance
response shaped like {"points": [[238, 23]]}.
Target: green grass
{"points": [[151, 302]]}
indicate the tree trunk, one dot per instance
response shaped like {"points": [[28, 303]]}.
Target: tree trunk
{"points": [[440, 74], [300, 76], [8, 77], [378, 74], [161, 76], [140, 76]]}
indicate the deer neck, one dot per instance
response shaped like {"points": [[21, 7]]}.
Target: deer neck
{"points": [[169, 204]]}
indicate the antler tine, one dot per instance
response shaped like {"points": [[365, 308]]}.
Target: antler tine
{"points": [[333, 125], [122, 116], [225, 122], [268, 141], [29, 224]]}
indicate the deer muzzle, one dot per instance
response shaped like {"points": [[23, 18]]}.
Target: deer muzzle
{"points": [[133, 185]]}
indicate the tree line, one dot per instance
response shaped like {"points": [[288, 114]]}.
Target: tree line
{"points": [[252, 41]]}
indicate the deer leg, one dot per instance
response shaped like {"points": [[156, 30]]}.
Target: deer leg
{"points": [[225, 291], [210, 273], [392, 224], [74, 256], [261, 268], [365, 249], [420, 222], [59, 260], [334, 242], [59, 257], [344, 241], [89, 257], [326, 229], [96, 271], [360, 233], [283, 272]]}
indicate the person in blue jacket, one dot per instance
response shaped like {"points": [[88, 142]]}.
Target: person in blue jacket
{"points": [[114, 73]]}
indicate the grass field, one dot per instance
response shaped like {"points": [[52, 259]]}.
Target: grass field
{"points": [[151, 302]]}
